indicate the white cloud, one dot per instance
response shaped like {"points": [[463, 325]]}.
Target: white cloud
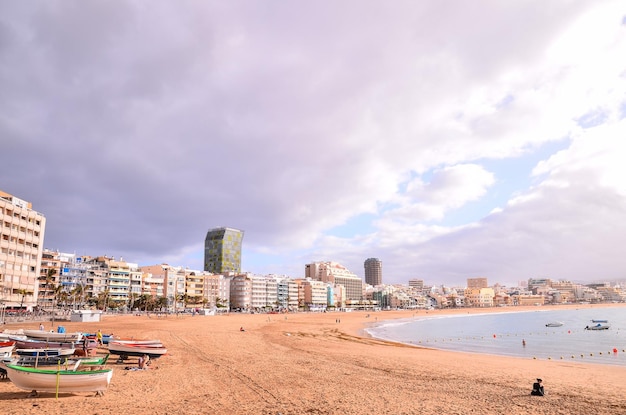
{"points": [[168, 120]]}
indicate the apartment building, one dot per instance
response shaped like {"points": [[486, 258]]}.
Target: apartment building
{"points": [[373, 271], [22, 232], [479, 282], [241, 292], [335, 273], [222, 250], [315, 296], [49, 276], [217, 290], [479, 297]]}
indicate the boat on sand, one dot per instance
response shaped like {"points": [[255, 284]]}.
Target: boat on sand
{"points": [[125, 349], [56, 380], [52, 336]]}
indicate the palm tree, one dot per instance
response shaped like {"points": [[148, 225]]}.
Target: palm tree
{"points": [[161, 302], [102, 299], [50, 281], [183, 298], [77, 292], [132, 298], [23, 293]]}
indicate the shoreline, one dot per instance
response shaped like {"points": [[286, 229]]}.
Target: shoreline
{"points": [[320, 363], [452, 313]]}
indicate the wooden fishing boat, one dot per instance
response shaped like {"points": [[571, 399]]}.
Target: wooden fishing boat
{"points": [[12, 335], [64, 361], [61, 381], [126, 349], [155, 342], [106, 338], [52, 336], [43, 344], [5, 351], [45, 352]]}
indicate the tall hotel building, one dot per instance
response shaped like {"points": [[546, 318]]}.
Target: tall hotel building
{"points": [[373, 271], [21, 248], [222, 250]]}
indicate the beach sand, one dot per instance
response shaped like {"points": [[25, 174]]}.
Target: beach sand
{"points": [[319, 364]]}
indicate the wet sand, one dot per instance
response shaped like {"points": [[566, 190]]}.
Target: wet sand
{"points": [[319, 364]]}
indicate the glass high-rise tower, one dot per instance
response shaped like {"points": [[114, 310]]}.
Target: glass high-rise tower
{"points": [[373, 271], [222, 250]]}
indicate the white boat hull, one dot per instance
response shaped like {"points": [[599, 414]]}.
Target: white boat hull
{"points": [[45, 352], [6, 349], [128, 349], [39, 380], [52, 336], [153, 343]]}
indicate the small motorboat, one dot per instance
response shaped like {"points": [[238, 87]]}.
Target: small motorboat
{"points": [[555, 324], [598, 326], [599, 321], [45, 352], [153, 348]]}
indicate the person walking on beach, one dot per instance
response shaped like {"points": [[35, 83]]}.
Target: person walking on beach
{"points": [[99, 337]]}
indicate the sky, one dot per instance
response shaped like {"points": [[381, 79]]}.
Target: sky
{"points": [[451, 140]]}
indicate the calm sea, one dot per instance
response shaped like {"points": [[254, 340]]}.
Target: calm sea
{"points": [[505, 334]]}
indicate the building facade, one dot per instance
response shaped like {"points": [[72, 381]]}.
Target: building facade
{"points": [[479, 282], [222, 250], [21, 247], [373, 271], [335, 273]]}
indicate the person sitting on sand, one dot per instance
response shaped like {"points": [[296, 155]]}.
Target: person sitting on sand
{"points": [[241, 329], [537, 388], [144, 361]]}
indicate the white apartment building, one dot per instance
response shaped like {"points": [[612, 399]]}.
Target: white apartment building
{"points": [[21, 246], [241, 292], [315, 294], [335, 273]]}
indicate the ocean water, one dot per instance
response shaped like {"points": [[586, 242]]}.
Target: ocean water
{"points": [[505, 334]]}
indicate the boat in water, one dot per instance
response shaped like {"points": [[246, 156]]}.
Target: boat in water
{"points": [[598, 326], [599, 321], [555, 324]]}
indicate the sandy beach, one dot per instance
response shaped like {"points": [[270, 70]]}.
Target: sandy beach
{"points": [[319, 364]]}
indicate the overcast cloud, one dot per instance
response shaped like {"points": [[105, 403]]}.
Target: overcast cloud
{"points": [[449, 139]]}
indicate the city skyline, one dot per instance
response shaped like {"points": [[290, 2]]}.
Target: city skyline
{"points": [[478, 140]]}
